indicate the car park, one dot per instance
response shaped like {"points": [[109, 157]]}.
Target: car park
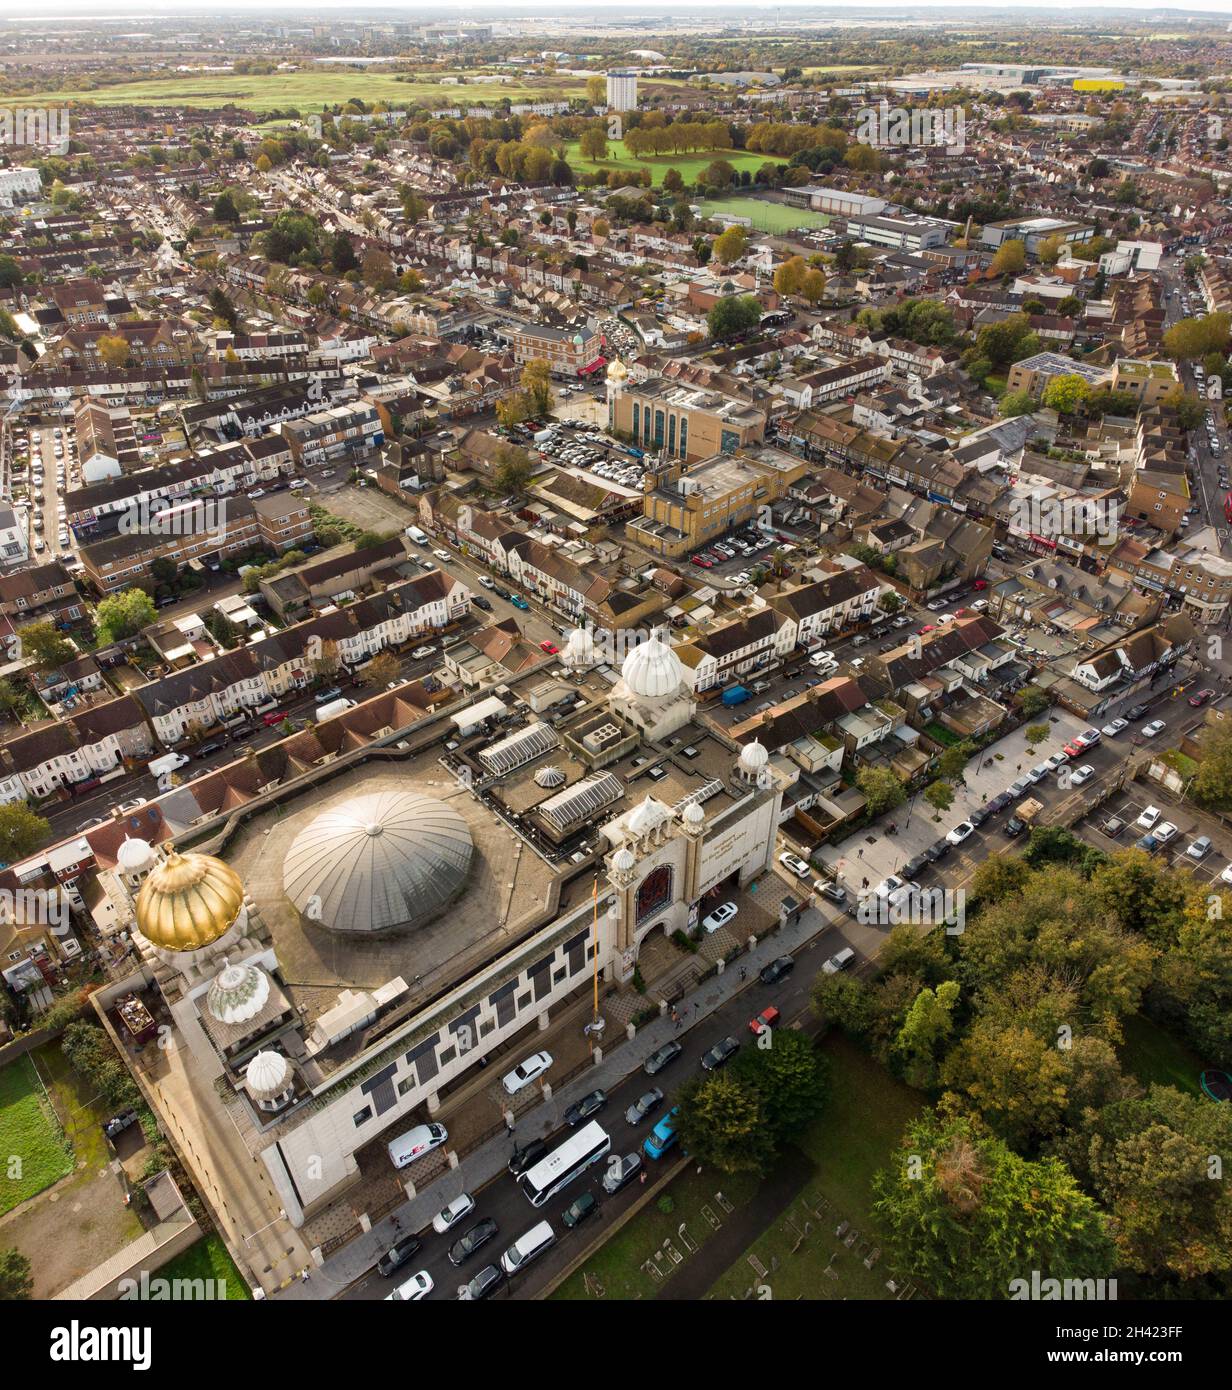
{"points": [[720, 1054], [525, 1072]]}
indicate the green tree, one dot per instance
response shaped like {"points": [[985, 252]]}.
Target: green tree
{"points": [[1037, 734], [952, 763], [1066, 393], [730, 245], [1032, 701], [513, 472], [791, 1078], [537, 383], [722, 1124], [966, 1215], [732, 316], [16, 1283], [926, 1029], [21, 831], [1015, 403], [123, 614], [881, 788], [43, 644], [1009, 258], [224, 207], [342, 254], [940, 796], [890, 602]]}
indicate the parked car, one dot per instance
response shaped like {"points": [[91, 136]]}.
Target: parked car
{"points": [[1081, 774], [418, 1286], [1117, 726], [1202, 696], [1200, 848], [1156, 726], [834, 891], [525, 1072], [398, 1255], [960, 833], [622, 1172], [579, 1209], [583, 1109], [1137, 712], [519, 602], [721, 1053], [1164, 832], [420, 653], [474, 1239], [793, 862], [842, 960], [1147, 842], [524, 1159], [768, 1018], [662, 1057], [777, 970], [1148, 818], [486, 605], [1113, 826], [450, 1215], [719, 917], [643, 1105], [483, 1285]]}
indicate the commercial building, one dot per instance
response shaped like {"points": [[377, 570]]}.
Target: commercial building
{"points": [[686, 422], [837, 201], [572, 351], [902, 233]]}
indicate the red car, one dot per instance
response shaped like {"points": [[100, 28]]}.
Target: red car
{"points": [[768, 1018], [702, 562], [928, 627], [550, 647], [1198, 700], [958, 612], [276, 717], [980, 584], [1073, 749]]}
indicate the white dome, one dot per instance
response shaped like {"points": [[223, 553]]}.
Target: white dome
{"points": [[135, 856], [647, 816], [623, 860], [267, 1075], [652, 670], [753, 757], [579, 649], [693, 814], [238, 993], [550, 776]]}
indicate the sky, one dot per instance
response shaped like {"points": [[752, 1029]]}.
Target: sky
{"points": [[107, 9]]}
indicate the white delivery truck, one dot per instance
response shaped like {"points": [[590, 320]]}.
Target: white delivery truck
{"points": [[334, 707], [163, 767], [417, 535]]}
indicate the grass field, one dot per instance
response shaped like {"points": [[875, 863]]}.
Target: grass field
{"points": [[208, 1259], [689, 166], [309, 91], [854, 1137], [36, 1152], [1154, 1056], [765, 217]]}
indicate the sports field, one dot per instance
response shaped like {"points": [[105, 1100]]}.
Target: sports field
{"points": [[689, 166], [765, 217], [311, 91]]}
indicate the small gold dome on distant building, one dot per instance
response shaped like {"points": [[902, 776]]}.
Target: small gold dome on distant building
{"points": [[189, 901], [617, 371]]}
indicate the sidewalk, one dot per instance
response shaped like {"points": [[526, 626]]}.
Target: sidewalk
{"points": [[490, 1159]]}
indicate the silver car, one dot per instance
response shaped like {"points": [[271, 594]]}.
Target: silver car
{"points": [[643, 1105]]}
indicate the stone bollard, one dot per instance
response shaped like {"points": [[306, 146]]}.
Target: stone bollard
{"points": [[631, 1031], [453, 1158], [663, 1006], [598, 1055], [365, 1221], [752, 946], [720, 967], [547, 1090], [409, 1188]]}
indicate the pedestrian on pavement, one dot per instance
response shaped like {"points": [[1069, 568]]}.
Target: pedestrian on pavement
{"points": [[743, 973], [860, 852], [643, 1178], [865, 883]]}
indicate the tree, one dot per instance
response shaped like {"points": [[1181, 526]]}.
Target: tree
{"points": [[1212, 785], [813, 286], [673, 182], [536, 381], [224, 207], [890, 602], [596, 90], [721, 1123], [12, 275], [113, 349], [789, 276], [378, 269], [600, 227], [222, 308], [593, 144], [1009, 258], [1032, 701], [1014, 403], [927, 1027], [1192, 338], [730, 246], [882, 789], [952, 763], [791, 1078], [1065, 393], [940, 796], [1037, 733], [382, 671], [966, 1215], [43, 644], [12, 700], [16, 1283], [414, 206], [21, 831], [513, 472], [732, 316], [123, 614], [342, 254]]}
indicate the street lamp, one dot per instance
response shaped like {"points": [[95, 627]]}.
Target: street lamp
{"points": [[280, 1217]]}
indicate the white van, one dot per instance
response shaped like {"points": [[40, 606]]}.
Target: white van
{"points": [[406, 1148], [418, 536], [528, 1247]]}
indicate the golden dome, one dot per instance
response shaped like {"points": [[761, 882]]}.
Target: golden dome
{"points": [[617, 371], [189, 901]]}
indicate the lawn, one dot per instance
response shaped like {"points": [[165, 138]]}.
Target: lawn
{"points": [[1155, 1056], [689, 166], [309, 91], [615, 1271], [854, 1137], [80, 1112], [765, 217], [208, 1259], [37, 1153]]}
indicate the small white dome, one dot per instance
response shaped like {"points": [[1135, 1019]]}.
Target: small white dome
{"points": [[135, 856], [623, 860], [579, 649], [753, 757], [267, 1075], [693, 814], [550, 776], [652, 670], [238, 993]]}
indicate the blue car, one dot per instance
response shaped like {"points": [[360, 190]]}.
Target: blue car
{"points": [[519, 602], [1148, 843]]}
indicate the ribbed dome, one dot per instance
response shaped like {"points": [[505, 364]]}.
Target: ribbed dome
{"points": [[238, 993], [693, 814], [753, 756], [550, 776], [623, 860], [189, 901], [647, 816], [267, 1075], [617, 371], [391, 859], [652, 670], [135, 856], [579, 649]]}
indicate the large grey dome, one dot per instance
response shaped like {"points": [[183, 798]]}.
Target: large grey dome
{"points": [[378, 862]]}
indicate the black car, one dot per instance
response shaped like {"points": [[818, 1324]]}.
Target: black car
{"points": [[525, 1159], [938, 850], [777, 970], [586, 1107], [660, 1058], [207, 749], [118, 1123], [999, 803], [643, 1105], [976, 817], [480, 602], [397, 1255], [577, 1211], [722, 1052], [501, 593], [478, 1235], [486, 1282], [913, 866], [1137, 712]]}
